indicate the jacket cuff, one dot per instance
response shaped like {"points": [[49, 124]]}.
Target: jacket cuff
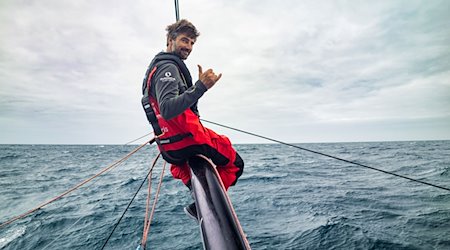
{"points": [[199, 84]]}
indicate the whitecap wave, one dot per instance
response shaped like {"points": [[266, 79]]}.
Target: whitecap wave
{"points": [[10, 235]]}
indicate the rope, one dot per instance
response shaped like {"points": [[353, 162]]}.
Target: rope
{"points": [[138, 138], [91, 183], [155, 200], [330, 156], [131, 201], [76, 186], [177, 11], [147, 208]]}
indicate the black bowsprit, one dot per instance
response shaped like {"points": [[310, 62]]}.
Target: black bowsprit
{"points": [[219, 225]]}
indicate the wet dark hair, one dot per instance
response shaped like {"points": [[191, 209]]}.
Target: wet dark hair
{"points": [[181, 27]]}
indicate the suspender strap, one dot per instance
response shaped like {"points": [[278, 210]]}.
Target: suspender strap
{"points": [[172, 139], [151, 115], [149, 112]]}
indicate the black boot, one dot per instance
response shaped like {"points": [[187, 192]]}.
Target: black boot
{"points": [[191, 211]]}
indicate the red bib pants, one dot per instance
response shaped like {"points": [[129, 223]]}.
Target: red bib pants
{"points": [[229, 164]]}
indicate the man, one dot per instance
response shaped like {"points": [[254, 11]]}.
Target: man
{"points": [[170, 102]]}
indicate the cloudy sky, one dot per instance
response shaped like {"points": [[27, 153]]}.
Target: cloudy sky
{"points": [[297, 71]]}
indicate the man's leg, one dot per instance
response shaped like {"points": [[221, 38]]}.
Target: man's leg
{"points": [[181, 172], [231, 172], [229, 163]]}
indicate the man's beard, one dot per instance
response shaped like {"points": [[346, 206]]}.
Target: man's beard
{"points": [[183, 54]]}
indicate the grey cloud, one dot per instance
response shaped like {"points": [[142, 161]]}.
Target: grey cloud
{"points": [[299, 62]]}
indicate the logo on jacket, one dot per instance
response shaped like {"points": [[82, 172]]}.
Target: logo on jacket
{"points": [[167, 77]]}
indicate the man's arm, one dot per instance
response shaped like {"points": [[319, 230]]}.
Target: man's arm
{"points": [[167, 83]]}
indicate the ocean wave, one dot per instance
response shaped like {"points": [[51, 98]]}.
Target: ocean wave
{"points": [[379, 215], [11, 235], [270, 159], [435, 220], [445, 172], [10, 157], [261, 177], [336, 233], [284, 200], [339, 233], [129, 181]]}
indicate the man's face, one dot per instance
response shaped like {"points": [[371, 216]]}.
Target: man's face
{"points": [[181, 46]]}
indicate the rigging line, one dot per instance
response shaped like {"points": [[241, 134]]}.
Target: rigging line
{"points": [[177, 11], [78, 220], [71, 226], [138, 138], [147, 208], [76, 186], [131, 201], [330, 156], [91, 183], [155, 200]]}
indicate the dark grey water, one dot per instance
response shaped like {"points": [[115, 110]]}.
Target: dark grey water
{"points": [[286, 198]]}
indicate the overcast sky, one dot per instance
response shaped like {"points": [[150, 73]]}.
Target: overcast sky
{"points": [[297, 71]]}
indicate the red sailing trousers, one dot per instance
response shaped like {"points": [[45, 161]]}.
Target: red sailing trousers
{"points": [[229, 164]]}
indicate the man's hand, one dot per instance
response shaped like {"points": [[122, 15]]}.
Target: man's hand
{"points": [[208, 78]]}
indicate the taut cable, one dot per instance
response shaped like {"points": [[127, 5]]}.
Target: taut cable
{"points": [[330, 156], [76, 186], [131, 201]]}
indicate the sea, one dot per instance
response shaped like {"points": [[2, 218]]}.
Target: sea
{"points": [[287, 198]]}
